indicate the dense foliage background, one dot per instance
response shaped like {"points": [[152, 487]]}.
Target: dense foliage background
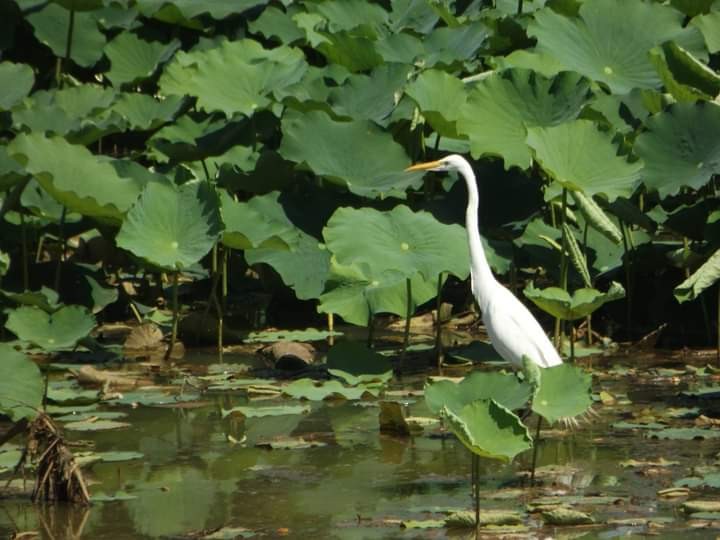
{"points": [[270, 138]]}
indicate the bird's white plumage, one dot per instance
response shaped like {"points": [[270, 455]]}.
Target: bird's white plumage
{"points": [[513, 330]]}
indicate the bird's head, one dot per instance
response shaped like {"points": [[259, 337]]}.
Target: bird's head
{"points": [[452, 162]]}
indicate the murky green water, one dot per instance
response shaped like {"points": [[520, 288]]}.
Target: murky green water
{"points": [[360, 483]]}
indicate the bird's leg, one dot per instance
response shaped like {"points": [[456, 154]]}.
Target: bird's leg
{"points": [[536, 444]]}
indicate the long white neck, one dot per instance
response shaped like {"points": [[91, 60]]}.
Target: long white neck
{"points": [[483, 281]]}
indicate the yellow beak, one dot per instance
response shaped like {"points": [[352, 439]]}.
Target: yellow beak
{"points": [[423, 166]]}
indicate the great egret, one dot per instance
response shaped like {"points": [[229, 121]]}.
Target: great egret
{"points": [[513, 330]]}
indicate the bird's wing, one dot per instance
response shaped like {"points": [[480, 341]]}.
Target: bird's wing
{"points": [[514, 332]]}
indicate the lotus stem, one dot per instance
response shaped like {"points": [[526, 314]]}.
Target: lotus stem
{"points": [[25, 269], [331, 328], [520, 7], [408, 316], [628, 282], [476, 487], [438, 324], [173, 335], [68, 49], [63, 245], [559, 327], [371, 329], [718, 324], [536, 444]]}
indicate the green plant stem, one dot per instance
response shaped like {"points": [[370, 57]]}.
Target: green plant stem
{"points": [[175, 308], [588, 319], [371, 329], [408, 316], [559, 327], [476, 487], [68, 50], [628, 279], [520, 7], [536, 445], [25, 268], [438, 324], [718, 325], [331, 328], [63, 246]]}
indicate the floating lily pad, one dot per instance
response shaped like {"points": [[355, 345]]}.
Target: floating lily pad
{"points": [[685, 434], [102, 497], [95, 425], [308, 334], [275, 410], [153, 397], [289, 443], [567, 516], [422, 524], [318, 391], [356, 364]]}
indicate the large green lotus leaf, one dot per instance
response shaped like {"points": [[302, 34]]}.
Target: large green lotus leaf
{"points": [[399, 240], [75, 177], [501, 108], [247, 226], [488, 430], [305, 265], [17, 80], [4, 263], [679, 148], [171, 11], [357, 154], [414, 15], [543, 63], [80, 5], [349, 14], [133, 59], [355, 292], [271, 410], [370, 97], [504, 388], [235, 77], [704, 277], [318, 391], [50, 331], [81, 113], [401, 48], [355, 363], [275, 23], [689, 70], [10, 170], [709, 25], [172, 227], [51, 27], [579, 157], [610, 40], [21, 385], [356, 53], [144, 112], [582, 303], [448, 45], [564, 392], [441, 97]]}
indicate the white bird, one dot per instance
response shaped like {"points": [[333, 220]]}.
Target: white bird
{"points": [[513, 330]]}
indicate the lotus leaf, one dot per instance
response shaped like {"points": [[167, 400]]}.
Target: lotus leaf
{"points": [[270, 410], [76, 178], [488, 429], [250, 224], [684, 434], [17, 80], [709, 25], [318, 391], [401, 48], [564, 392], [308, 334], [101, 497], [579, 157], [399, 240], [503, 388], [153, 398], [355, 363], [144, 112], [10, 170], [582, 303], [21, 385], [690, 71], [349, 14], [234, 77], [51, 24], [51, 332], [172, 227], [441, 98], [704, 277], [80, 5], [173, 11], [276, 23], [370, 97], [341, 151], [95, 425], [450, 45], [610, 40], [133, 59], [356, 53], [502, 106], [677, 149], [355, 292]]}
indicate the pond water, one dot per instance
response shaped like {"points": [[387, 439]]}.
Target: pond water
{"points": [[200, 472]]}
